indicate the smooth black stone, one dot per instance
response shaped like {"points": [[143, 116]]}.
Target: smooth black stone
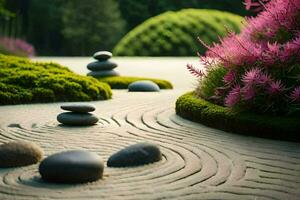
{"points": [[72, 167], [135, 155], [77, 119], [105, 73], [102, 55], [101, 65], [143, 86], [80, 108]]}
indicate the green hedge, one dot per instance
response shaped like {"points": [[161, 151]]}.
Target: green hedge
{"points": [[23, 81], [275, 127], [122, 82], [175, 33]]}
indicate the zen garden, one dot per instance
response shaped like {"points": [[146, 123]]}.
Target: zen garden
{"points": [[150, 99]]}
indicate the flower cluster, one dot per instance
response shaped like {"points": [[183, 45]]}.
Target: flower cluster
{"points": [[17, 47], [263, 61]]}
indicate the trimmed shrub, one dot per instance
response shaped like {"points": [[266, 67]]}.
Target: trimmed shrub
{"points": [[175, 33], [122, 82], [199, 110], [23, 81]]}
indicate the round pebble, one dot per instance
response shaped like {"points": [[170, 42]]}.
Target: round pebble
{"points": [[102, 55], [77, 119], [104, 73], [80, 108], [135, 155], [19, 153], [100, 66], [143, 86], [72, 167]]}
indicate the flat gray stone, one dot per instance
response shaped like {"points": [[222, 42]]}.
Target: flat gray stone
{"points": [[102, 55], [78, 107], [72, 167], [143, 86], [101, 65], [135, 155], [105, 73], [19, 153], [77, 119]]}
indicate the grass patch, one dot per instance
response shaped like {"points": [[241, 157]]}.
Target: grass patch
{"points": [[275, 127], [122, 82], [23, 81]]}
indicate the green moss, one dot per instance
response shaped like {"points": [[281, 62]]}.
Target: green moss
{"points": [[175, 33], [122, 82], [24, 81], [275, 127]]}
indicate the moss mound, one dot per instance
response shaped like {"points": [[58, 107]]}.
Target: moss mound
{"points": [[122, 82], [175, 33], [23, 81], [275, 127]]}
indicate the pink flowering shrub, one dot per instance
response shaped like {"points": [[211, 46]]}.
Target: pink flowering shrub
{"points": [[16, 47], [262, 63]]}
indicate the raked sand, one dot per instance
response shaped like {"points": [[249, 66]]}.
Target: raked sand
{"points": [[198, 162]]}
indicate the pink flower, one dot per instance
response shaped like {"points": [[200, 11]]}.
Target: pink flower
{"points": [[295, 95], [229, 77], [194, 71], [252, 76], [233, 97], [276, 87], [248, 92], [264, 79]]}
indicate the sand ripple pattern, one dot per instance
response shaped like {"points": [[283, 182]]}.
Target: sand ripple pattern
{"points": [[198, 162]]}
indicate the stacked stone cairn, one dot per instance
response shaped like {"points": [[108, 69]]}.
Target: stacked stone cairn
{"points": [[103, 67], [79, 115]]}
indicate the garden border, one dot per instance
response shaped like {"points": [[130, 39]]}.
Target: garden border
{"points": [[209, 114]]}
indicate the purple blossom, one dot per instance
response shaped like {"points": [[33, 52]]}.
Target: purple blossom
{"points": [[248, 92], [261, 59], [295, 95], [229, 77], [264, 79], [276, 87], [233, 97], [252, 76], [17, 46]]}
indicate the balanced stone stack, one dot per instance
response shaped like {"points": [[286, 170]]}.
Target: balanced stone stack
{"points": [[103, 66], [79, 115]]}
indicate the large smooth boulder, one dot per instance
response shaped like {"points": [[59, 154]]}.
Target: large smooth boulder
{"points": [[135, 155], [19, 153], [72, 167]]}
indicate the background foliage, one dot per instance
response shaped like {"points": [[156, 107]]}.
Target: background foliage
{"points": [[57, 27]]}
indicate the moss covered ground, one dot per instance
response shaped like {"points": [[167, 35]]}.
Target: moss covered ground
{"points": [[276, 127], [23, 81]]}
